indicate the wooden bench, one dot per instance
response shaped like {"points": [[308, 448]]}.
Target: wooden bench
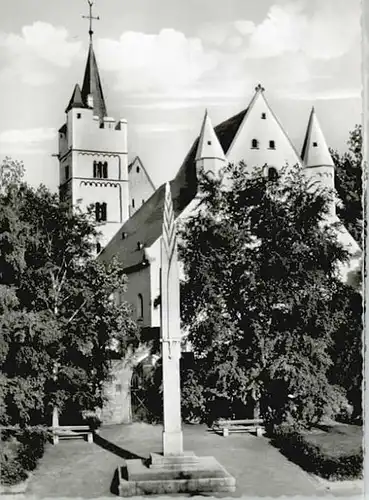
{"points": [[71, 432], [249, 425]]}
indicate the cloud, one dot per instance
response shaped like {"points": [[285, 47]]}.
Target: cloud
{"points": [[155, 63], [174, 104], [27, 136], [244, 26], [35, 53], [328, 33], [328, 95], [148, 128], [25, 140]]}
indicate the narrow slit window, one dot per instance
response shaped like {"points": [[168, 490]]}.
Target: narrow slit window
{"points": [[105, 170], [133, 203], [140, 310]]}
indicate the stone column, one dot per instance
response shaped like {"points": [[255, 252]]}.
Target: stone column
{"points": [[170, 333]]}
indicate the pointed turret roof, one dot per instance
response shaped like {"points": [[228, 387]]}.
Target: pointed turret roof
{"points": [[315, 152], [209, 145], [76, 100], [92, 85]]}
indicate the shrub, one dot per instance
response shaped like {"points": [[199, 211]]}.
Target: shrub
{"points": [[12, 471], [20, 454], [332, 455]]}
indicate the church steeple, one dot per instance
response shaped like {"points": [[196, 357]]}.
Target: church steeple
{"points": [[92, 93]]}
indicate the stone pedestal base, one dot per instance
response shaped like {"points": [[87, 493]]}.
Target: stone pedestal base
{"points": [[184, 473]]}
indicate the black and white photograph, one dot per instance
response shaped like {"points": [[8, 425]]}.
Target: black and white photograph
{"points": [[182, 248]]}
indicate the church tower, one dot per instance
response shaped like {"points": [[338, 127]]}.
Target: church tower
{"points": [[318, 162], [93, 164]]}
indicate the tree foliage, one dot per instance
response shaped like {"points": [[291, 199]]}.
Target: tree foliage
{"points": [[262, 296], [59, 325], [348, 183]]}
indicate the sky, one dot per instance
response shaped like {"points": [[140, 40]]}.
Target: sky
{"points": [[162, 62]]}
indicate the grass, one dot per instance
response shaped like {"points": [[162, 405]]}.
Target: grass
{"points": [[333, 452], [337, 440]]}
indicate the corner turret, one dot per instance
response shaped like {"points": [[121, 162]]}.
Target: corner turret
{"points": [[318, 162], [210, 155]]}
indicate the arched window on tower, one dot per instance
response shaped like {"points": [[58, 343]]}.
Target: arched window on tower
{"points": [[255, 144], [95, 169], [105, 170], [101, 212], [140, 306]]}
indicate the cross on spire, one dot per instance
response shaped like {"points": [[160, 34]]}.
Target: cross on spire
{"points": [[91, 18]]}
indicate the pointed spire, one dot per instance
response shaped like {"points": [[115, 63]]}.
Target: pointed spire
{"points": [[315, 152], [92, 85], [76, 100], [209, 145]]}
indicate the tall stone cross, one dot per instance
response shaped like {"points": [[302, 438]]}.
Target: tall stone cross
{"points": [[170, 332]]}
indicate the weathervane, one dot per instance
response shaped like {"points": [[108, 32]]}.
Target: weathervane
{"points": [[91, 18]]}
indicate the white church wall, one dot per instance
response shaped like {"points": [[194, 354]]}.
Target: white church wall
{"points": [[263, 130], [139, 284], [87, 133], [140, 187], [116, 164]]}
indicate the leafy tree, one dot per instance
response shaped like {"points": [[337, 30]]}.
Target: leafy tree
{"points": [[261, 294], [60, 327], [348, 183], [11, 173]]}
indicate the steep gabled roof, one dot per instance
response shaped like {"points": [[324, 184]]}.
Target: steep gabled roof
{"points": [[92, 85], [209, 145], [315, 152], [136, 160], [76, 100], [145, 225]]}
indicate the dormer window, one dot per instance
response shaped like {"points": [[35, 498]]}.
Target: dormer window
{"points": [[315, 144], [271, 144], [263, 116], [255, 144]]}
